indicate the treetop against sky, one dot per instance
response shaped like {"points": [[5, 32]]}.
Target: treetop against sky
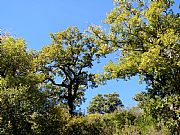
{"points": [[35, 20]]}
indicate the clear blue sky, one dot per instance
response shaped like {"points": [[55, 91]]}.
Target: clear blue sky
{"points": [[33, 20]]}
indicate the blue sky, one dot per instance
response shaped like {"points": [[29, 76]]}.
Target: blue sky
{"points": [[34, 20]]}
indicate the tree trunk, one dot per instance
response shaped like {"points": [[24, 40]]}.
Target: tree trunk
{"points": [[71, 106]]}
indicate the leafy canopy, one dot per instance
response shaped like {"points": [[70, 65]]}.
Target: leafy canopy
{"points": [[20, 94], [65, 62], [106, 103], [146, 34]]}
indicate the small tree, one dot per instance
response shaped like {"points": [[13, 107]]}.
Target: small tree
{"points": [[97, 104], [105, 104]]}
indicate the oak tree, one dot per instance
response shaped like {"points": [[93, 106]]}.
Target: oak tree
{"points": [[66, 62]]}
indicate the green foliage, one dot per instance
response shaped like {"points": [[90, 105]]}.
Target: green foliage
{"points": [[134, 121], [16, 63], [124, 118], [120, 122], [16, 108], [107, 103], [54, 121], [14, 113], [19, 93], [97, 104], [65, 62], [165, 111], [147, 35], [112, 102], [94, 124]]}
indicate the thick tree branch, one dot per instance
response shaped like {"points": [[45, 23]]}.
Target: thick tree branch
{"points": [[56, 84]]}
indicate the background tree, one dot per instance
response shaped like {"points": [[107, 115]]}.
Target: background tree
{"points": [[65, 62], [147, 35], [96, 105], [106, 103], [112, 102]]}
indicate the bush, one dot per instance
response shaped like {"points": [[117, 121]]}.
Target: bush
{"points": [[52, 122], [94, 124]]}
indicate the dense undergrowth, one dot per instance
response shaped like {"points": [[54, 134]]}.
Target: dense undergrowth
{"points": [[120, 122]]}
